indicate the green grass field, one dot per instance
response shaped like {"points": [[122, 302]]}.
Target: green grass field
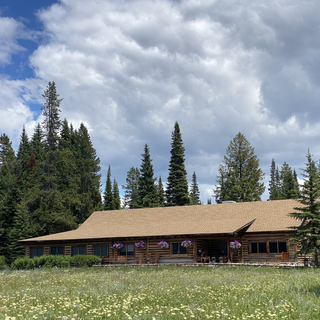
{"points": [[161, 293]]}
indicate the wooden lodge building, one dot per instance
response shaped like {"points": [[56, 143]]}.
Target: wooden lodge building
{"points": [[261, 227]]}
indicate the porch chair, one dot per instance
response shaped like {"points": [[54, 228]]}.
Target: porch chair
{"points": [[155, 258], [140, 259], [283, 257]]}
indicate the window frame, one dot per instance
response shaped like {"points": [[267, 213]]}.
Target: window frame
{"points": [[100, 250], [172, 244], [124, 250], [267, 244], [57, 251], [38, 250], [78, 250]]}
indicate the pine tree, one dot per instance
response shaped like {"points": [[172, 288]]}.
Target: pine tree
{"points": [[50, 111], [148, 195], [307, 233], [283, 185], [296, 192], [24, 151], [274, 188], [9, 196], [24, 227], [68, 179], [88, 168], [194, 191], [108, 201], [161, 194], [51, 127], [177, 185], [37, 144], [116, 195], [239, 174], [131, 195]]}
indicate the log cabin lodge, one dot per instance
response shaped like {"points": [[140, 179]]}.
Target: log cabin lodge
{"points": [[262, 228]]}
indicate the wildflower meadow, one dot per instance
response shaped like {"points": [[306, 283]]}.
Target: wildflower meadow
{"points": [[165, 292]]}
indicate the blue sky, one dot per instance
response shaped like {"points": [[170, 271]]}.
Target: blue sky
{"points": [[129, 69], [26, 13]]}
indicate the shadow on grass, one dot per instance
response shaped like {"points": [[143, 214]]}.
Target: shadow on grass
{"points": [[315, 290]]}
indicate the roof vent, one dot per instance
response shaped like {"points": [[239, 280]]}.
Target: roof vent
{"points": [[228, 201]]}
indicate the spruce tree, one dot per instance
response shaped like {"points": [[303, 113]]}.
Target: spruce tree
{"points": [[177, 185], [24, 150], [51, 128], [288, 187], [194, 191], [274, 188], [161, 194], [37, 144], [116, 195], [148, 195], [296, 192], [307, 233], [67, 178], [88, 168], [50, 110], [131, 188], [108, 201], [24, 226], [239, 176], [9, 195]]}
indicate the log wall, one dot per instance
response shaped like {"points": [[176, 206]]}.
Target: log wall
{"points": [[210, 245], [248, 257]]}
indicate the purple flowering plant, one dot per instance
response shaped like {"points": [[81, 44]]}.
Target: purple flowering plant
{"points": [[117, 246], [235, 244], [163, 244], [140, 244], [187, 243]]}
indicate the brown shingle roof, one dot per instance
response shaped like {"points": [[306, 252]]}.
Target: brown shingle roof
{"points": [[188, 220]]}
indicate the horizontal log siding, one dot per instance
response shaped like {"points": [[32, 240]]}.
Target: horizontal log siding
{"points": [[27, 251], [153, 247], [89, 249], [265, 257], [67, 250]]}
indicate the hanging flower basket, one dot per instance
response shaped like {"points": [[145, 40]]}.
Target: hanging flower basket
{"points": [[235, 245], [187, 243], [163, 244], [140, 244], [117, 246]]}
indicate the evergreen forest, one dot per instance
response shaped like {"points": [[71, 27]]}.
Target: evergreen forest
{"points": [[52, 182]]}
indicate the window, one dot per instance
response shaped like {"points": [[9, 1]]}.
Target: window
{"points": [[177, 248], [262, 247], [36, 252], [127, 250], [268, 247], [78, 250], [282, 246], [57, 250], [101, 250]]}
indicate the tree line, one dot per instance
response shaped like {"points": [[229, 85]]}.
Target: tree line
{"points": [[52, 183]]}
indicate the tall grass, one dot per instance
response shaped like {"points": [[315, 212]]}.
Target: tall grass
{"points": [[160, 293]]}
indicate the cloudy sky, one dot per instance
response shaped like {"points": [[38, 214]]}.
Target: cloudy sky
{"points": [[128, 69]]}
